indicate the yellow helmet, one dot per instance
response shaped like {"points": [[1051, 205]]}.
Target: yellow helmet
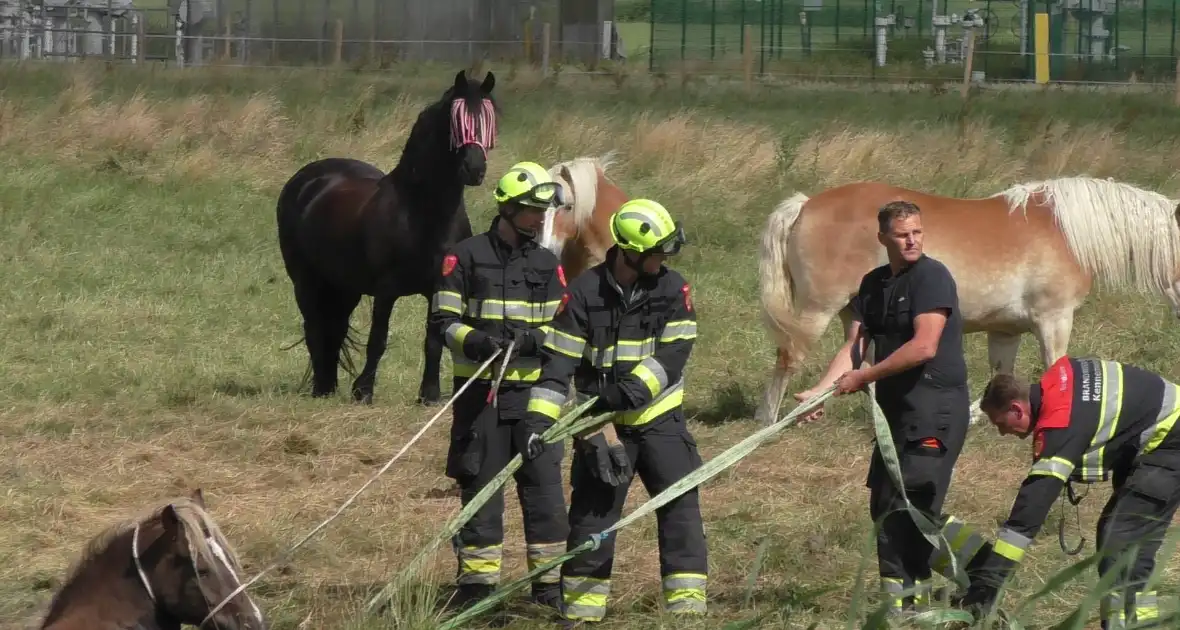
{"points": [[529, 184], [642, 225]]}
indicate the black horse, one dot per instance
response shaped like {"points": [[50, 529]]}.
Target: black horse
{"points": [[346, 229]]}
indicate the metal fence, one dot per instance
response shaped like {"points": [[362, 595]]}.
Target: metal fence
{"points": [[1086, 40], [303, 32]]}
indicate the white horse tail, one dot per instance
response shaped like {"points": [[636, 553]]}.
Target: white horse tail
{"points": [[775, 280], [1123, 236]]}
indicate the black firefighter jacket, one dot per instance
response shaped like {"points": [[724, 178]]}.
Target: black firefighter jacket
{"points": [[1093, 420], [489, 288], [600, 338]]}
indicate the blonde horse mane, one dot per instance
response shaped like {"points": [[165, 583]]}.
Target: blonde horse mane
{"points": [[1124, 236], [582, 186], [198, 527]]}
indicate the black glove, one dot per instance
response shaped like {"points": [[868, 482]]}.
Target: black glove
{"points": [[610, 398], [528, 435], [609, 464], [487, 346], [526, 343]]}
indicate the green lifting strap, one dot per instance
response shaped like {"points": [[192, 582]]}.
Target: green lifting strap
{"points": [[707, 471], [563, 428]]}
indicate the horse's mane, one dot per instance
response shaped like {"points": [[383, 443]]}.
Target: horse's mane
{"points": [[582, 182], [197, 525], [1125, 236]]}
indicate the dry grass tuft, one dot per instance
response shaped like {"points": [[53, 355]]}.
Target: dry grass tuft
{"points": [[975, 157], [688, 152]]}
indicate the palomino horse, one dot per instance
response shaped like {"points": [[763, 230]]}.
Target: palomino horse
{"points": [[1024, 260], [579, 232], [156, 572], [347, 229]]}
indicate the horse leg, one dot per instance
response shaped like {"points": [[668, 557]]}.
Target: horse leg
{"points": [[311, 297], [1001, 359], [1173, 295], [429, 392], [336, 311], [362, 387], [1053, 333], [810, 326]]}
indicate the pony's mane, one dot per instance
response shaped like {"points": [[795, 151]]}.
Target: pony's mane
{"points": [[582, 184], [197, 525], [1125, 236]]}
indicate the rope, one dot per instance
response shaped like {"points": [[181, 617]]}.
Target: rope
{"points": [[560, 430], [1073, 500], [493, 393], [286, 555], [709, 470]]}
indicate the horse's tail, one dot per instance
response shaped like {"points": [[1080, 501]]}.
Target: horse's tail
{"points": [[351, 345], [776, 283]]}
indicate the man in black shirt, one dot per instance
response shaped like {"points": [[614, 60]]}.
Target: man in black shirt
{"points": [[909, 310]]}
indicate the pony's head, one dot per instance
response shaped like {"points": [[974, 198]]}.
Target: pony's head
{"points": [[180, 559], [188, 567], [473, 124]]}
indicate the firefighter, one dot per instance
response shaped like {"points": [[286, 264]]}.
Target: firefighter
{"points": [[909, 309], [1091, 420], [498, 287], [624, 332]]}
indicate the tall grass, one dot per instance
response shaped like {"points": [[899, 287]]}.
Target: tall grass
{"points": [[145, 306]]}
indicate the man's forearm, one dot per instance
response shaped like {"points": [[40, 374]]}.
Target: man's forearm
{"points": [[909, 355], [840, 364]]}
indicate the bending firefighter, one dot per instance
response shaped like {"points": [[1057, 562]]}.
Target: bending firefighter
{"points": [[498, 287], [1091, 420], [624, 332]]}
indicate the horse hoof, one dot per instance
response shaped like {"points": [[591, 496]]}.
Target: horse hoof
{"points": [[429, 398], [362, 396]]}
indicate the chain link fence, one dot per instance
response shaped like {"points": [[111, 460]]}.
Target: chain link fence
{"points": [[1086, 40]]}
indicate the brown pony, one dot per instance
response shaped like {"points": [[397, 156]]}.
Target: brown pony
{"points": [[156, 572], [1024, 260], [348, 229], [579, 232]]}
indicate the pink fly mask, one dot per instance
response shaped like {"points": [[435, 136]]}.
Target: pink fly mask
{"points": [[468, 128]]}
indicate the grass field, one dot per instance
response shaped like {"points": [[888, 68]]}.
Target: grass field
{"points": [[146, 308]]}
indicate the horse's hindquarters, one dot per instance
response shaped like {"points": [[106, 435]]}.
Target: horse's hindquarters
{"points": [[321, 220]]}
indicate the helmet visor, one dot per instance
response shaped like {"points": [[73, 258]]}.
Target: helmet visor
{"points": [[542, 196], [671, 243]]}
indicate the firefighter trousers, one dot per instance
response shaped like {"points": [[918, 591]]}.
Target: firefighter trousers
{"points": [[1139, 511], [482, 444], [928, 442], [661, 454]]}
